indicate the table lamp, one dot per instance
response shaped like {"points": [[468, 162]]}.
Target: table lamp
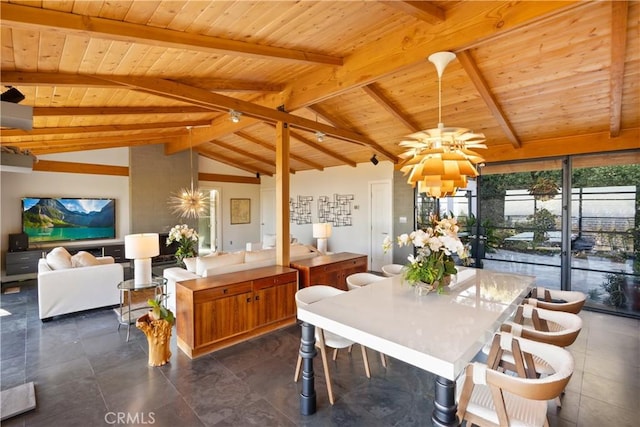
{"points": [[322, 231], [141, 248]]}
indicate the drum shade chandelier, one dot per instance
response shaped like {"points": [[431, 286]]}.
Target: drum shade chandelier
{"points": [[439, 161], [189, 202]]}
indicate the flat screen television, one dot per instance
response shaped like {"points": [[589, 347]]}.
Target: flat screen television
{"points": [[55, 219]]}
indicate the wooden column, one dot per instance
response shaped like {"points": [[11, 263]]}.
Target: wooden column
{"points": [[282, 194]]}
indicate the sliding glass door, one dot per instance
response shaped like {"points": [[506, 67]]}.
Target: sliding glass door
{"points": [[605, 227], [520, 214]]}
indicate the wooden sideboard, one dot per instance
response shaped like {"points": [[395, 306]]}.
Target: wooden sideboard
{"points": [[216, 312], [330, 270]]}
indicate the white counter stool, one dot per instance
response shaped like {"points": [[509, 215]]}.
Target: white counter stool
{"points": [[357, 280], [391, 270], [553, 299], [306, 296]]}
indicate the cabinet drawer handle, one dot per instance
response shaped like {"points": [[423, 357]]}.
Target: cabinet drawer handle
{"points": [[224, 291], [249, 299], [257, 297]]}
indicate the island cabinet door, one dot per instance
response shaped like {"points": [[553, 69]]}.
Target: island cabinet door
{"points": [[223, 313], [274, 298]]}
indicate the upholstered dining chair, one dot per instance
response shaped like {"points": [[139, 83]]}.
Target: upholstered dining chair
{"points": [[557, 300], [391, 270], [324, 339], [490, 397], [546, 326], [357, 280]]}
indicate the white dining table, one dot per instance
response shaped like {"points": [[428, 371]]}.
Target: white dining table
{"points": [[440, 333]]}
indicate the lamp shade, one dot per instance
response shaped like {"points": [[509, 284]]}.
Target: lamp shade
{"points": [[322, 230], [140, 246]]}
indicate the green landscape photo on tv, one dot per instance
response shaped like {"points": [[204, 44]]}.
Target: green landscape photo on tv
{"points": [[49, 219]]}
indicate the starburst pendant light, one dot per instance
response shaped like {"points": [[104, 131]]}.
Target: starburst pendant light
{"points": [[189, 202], [439, 160]]}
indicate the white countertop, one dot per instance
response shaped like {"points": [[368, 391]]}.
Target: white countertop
{"points": [[438, 333]]}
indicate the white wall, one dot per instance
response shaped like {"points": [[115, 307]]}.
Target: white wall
{"points": [[338, 180]]}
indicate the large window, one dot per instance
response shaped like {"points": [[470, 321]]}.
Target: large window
{"points": [[520, 224]]}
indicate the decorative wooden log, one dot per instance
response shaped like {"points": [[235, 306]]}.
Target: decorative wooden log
{"points": [[158, 334]]}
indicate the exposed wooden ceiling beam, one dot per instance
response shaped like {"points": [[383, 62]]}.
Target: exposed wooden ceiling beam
{"points": [[570, 145], [422, 10], [101, 128], [15, 78], [205, 152], [619, 12], [37, 18], [19, 78], [84, 168], [78, 144], [245, 153], [229, 85], [376, 94], [268, 146], [487, 96], [217, 177], [109, 111], [217, 102]]}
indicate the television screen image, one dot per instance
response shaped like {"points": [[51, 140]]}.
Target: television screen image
{"points": [[46, 219]]}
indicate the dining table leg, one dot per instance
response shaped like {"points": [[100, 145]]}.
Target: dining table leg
{"points": [[445, 406], [308, 352]]}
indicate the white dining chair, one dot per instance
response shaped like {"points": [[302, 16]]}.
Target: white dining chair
{"points": [[324, 339], [491, 397], [357, 280], [557, 300], [391, 270]]}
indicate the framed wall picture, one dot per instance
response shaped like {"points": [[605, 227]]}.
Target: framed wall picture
{"points": [[240, 211]]}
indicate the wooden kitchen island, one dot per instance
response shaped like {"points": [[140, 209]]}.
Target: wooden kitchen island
{"points": [[216, 312], [330, 270]]}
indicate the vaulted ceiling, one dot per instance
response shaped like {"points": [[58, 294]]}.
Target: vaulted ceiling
{"points": [[539, 79]]}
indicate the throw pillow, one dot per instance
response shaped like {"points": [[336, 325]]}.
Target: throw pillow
{"points": [[83, 259], [190, 263], [59, 259], [206, 263]]}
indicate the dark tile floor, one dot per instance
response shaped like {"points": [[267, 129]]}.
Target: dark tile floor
{"points": [[86, 374]]}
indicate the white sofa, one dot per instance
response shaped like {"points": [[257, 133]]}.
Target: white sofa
{"points": [[216, 264], [64, 289]]}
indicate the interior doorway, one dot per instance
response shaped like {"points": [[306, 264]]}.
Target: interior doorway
{"points": [[380, 211]]}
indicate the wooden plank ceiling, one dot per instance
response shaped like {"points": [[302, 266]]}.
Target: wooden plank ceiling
{"points": [[537, 78]]}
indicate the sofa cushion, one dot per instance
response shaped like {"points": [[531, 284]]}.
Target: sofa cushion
{"points": [[83, 259], [59, 259], [190, 263], [259, 255], [298, 250], [207, 262]]}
